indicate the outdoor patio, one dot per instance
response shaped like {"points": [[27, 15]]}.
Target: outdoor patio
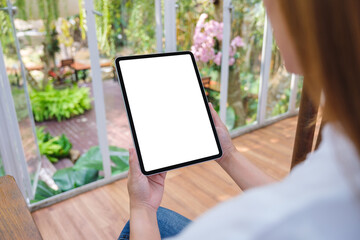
{"points": [[81, 130]]}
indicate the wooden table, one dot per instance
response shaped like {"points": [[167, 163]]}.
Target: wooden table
{"points": [[16, 221], [77, 66], [210, 85], [84, 67], [215, 86]]}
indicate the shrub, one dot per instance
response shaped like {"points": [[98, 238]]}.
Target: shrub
{"points": [[85, 170], [59, 104], [54, 148]]}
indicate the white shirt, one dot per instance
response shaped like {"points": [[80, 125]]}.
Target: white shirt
{"points": [[320, 199]]}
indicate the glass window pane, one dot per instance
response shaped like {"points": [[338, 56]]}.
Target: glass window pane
{"points": [[2, 170], [125, 28], [56, 57], [247, 27], [299, 91], [199, 29], [131, 30], [18, 94], [278, 86]]}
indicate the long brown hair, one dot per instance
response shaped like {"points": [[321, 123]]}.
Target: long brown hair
{"points": [[326, 34]]}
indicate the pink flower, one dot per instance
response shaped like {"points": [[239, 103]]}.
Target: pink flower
{"points": [[219, 34], [195, 52], [201, 21], [231, 61], [199, 38], [206, 35], [237, 42], [217, 59], [206, 54]]}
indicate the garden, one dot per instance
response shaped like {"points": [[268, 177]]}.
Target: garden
{"points": [[54, 49]]}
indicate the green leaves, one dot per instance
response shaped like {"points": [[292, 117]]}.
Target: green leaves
{"points": [[59, 104], [66, 179], [120, 157], [87, 167], [93, 159], [53, 148], [85, 170], [43, 191], [65, 145], [2, 170], [70, 178], [230, 118]]}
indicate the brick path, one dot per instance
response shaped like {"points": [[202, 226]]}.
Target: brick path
{"points": [[81, 130]]}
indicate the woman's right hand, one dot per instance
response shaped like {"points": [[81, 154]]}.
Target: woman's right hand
{"points": [[224, 137], [245, 174]]}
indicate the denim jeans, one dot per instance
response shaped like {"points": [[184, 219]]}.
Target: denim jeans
{"points": [[170, 223]]}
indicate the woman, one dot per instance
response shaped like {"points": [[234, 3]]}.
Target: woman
{"points": [[320, 199]]}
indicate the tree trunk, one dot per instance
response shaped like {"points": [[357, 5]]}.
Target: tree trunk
{"points": [[234, 97], [218, 10]]}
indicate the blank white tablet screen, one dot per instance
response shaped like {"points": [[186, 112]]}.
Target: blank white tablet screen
{"points": [[168, 110]]}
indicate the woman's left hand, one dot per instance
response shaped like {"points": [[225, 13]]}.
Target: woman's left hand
{"points": [[144, 191]]}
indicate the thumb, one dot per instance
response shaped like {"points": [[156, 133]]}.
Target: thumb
{"points": [[133, 161], [215, 116]]}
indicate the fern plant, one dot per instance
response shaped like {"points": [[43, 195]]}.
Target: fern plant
{"points": [[54, 148], [59, 104]]}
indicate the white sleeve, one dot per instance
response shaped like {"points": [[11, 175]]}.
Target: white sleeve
{"points": [[316, 201], [243, 217]]}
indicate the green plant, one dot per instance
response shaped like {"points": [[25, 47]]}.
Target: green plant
{"points": [[282, 104], [6, 36], [140, 31], [43, 191], [2, 170], [54, 148], [127, 22], [66, 179], [92, 159], [85, 170], [59, 104], [230, 116], [70, 178]]}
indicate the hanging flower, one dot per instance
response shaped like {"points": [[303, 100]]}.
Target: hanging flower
{"points": [[206, 35], [217, 59], [237, 42]]}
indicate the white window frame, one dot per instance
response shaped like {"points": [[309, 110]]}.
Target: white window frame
{"points": [[261, 119], [170, 25], [11, 147], [19, 168]]}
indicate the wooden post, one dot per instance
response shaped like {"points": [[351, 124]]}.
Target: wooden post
{"points": [[305, 129]]}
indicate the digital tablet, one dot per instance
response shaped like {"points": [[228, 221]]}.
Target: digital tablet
{"points": [[168, 112]]}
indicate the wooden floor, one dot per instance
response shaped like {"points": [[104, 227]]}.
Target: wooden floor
{"points": [[101, 213]]}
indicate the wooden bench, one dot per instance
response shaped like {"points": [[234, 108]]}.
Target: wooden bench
{"points": [[16, 221]]}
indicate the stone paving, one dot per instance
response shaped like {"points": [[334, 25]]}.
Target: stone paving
{"points": [[81, 130]]}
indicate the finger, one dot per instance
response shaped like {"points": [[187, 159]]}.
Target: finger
{"points": [[215, 116], [163, 175]]}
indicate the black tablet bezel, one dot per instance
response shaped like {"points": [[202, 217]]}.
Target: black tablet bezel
{"points": [[131, 123]]}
